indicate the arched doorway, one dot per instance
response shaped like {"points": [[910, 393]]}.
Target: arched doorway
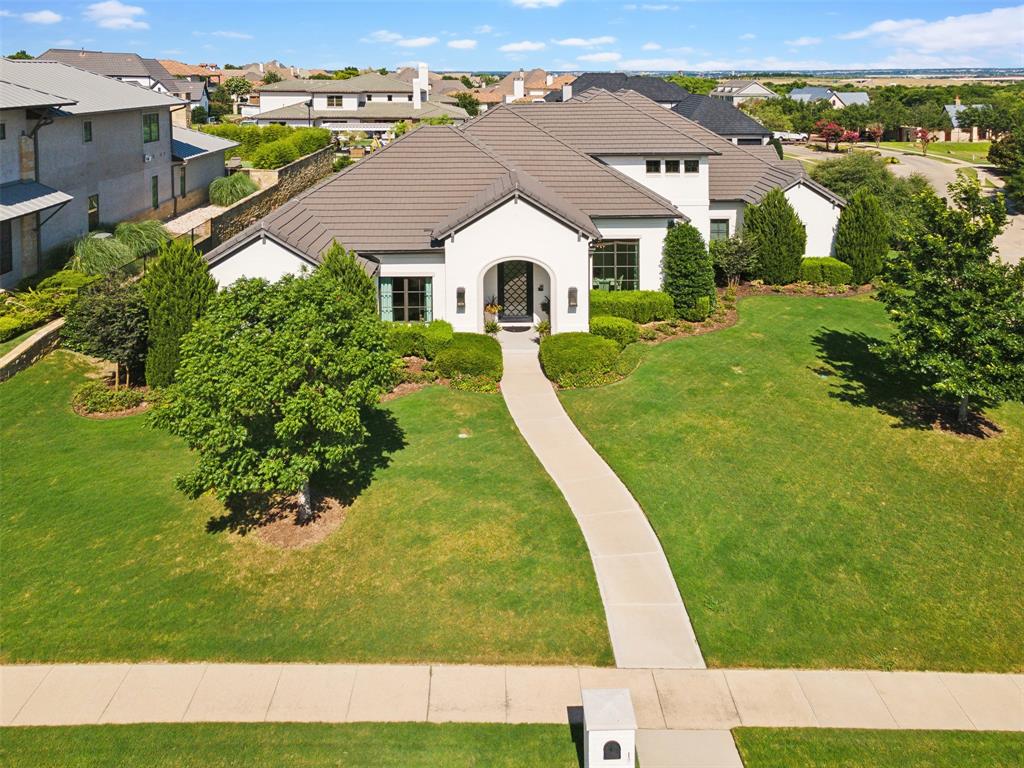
{"points": [[523, 287]]}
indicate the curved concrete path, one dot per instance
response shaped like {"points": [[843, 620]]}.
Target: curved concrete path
{"points": [[647, 620]]}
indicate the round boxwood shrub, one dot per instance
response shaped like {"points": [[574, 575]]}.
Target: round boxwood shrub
{"points": [[578, 359], [620, 330], [825, 271], [419, 339], [470, 355], [639, 306]]}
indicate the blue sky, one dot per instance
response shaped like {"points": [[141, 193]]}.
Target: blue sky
{"points": [[554, 34]]}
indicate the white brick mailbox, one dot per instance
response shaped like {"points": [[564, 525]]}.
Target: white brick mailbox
{"points": [[609, 728]]}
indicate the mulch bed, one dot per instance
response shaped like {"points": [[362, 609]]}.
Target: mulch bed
{"points": [[279, 527], [801, 289], [100, 415], [943, 418], [414, 368]]}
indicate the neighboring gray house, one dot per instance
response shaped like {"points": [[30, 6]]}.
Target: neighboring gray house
{"points": [[108, 147], [735, 92]]}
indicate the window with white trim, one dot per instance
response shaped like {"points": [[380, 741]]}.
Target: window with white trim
{"points": [[615, 265], [406, 299], [691, 166], [653, 166], [719, 229]]}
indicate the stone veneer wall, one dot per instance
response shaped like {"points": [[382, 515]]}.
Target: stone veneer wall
{"points": [[31, 349], [280, 186]]}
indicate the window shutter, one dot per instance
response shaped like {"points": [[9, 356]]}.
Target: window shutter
{"points": [[386, 308], [428, 299]]}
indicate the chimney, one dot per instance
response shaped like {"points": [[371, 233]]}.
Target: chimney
{"points": [[519, 86], [956, 100], [566, 91], [549, 79], [261, 67]]}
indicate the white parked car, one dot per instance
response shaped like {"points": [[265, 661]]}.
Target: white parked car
{"points": [[789, 136]]}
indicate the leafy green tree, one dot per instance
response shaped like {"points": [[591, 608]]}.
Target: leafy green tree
{"points": [[769, 113], [177, 289], [779, 235], [271, 77], [466, 81], [687, 273], [862, 239], [199, 115], [109, 320], [22, 54], [278, 383], [236, 86], [468, 102], [344, 266], [734, 257], [958, 314], [701, 85]]}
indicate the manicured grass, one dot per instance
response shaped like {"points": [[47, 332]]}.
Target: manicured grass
{"points": [[806, 523], [290, 745], [7, 346], [821, 748], [968, 151], [461, 550]]}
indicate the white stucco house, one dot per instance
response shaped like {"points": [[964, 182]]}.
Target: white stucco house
{"points": [[528, 205], [736, 92]]}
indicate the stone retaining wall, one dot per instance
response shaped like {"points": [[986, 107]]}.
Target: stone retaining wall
{"points": [[30, 350]]}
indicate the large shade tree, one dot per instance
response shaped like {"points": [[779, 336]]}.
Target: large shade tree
{"points": [[278, 383], [958, 314]]}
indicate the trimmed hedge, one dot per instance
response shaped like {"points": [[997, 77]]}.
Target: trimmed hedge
{"points": [[638, 306], [470, 355], [419, 339], [825, 271], [34, 306], [275, 154], [97, 397], [619, 329], [578, 359]]}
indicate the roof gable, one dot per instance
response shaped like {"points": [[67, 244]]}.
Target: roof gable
{"points": [[718, 116]]}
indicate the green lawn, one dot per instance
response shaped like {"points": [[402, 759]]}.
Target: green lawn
{"points": [[968, 151], [7, 346], [290, 745], [821, 748], [461, 550], [807, 524]]}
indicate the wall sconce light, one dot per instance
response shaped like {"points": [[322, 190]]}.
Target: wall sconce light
{"points": [[460, 299], [573, 301]]}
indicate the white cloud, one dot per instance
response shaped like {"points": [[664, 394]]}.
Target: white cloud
{"points": [[42, 17], [525, 45], [462, 45], [748, 36], [382, 36], [5, 14], [650, 47], [230, 35], [650, 7], [802, 41], [586, 42], [113, 14], [600, 57], [537, 3], [416, 42], [483, 29], [994, 33]]}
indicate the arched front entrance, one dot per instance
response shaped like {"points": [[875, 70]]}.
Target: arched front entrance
{"points": [[522, 287]]}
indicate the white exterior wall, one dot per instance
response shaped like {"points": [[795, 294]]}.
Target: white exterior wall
{"points": [[430, 265], [819, 215], [349, 101], [733, 212], [261, 258], [650, 233], [276, 99], [686, 191], [516, 231]]}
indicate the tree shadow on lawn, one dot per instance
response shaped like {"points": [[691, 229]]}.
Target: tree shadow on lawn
{"points": [[867, 379], [251, 511]]}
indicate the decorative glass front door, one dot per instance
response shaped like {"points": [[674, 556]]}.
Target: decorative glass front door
{"points": [[515, 291]]}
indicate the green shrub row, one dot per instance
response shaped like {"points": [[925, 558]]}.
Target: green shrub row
{"points": [[470, 355], [619, 329], [638, 306], [578, 359], [825, 271], [97, 397], [270, 146], [419, 339], [50, 297]]}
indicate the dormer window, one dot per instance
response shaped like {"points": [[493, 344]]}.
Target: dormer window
{"points": [[335, 101]]}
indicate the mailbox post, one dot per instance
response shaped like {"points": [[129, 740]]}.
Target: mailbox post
{"points": [[609, 728]]}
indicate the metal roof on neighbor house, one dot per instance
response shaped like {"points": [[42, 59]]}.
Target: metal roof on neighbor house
{"points": [[90, 92], [15, 96], [20, 198], [853, 97], [186, 143]]}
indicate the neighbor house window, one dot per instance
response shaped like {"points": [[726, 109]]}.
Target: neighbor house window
{"points": [[335, 101], [3, 131], [654, 166], [150, 127], [616, 265], [181, 182], [391, 97], [369, 97], [671, 166], [155, 184], [87, 131], [406, 299], [719, 229], [691, 166], [94, 212], [6, 247]]}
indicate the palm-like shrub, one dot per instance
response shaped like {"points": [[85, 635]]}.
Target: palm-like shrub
{"points": [[228, 190]]}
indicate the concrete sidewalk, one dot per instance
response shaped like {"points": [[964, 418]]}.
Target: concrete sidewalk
{"points": [[647, 621], [665, 699]]}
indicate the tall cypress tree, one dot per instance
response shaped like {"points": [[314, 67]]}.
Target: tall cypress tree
{"points": [[687, 273], [779, 236], [177, 289], [350, 274], [862, 237]]}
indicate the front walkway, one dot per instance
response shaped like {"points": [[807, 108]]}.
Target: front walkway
{"points": [[647, 621], [664, 699]]}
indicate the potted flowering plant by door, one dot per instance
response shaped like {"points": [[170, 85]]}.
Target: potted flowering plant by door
{"points": [[491, 310]]}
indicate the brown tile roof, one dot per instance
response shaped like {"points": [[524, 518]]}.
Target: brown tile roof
{"points": [[180, 69], [99, 62]]}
